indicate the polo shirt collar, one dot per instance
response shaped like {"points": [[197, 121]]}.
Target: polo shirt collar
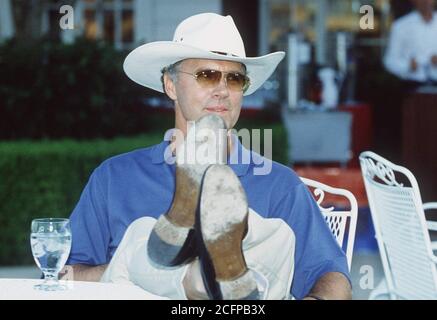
{"points": [[239, 159]]}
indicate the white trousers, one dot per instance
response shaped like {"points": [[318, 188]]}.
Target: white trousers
{"points": [[268, 249]]}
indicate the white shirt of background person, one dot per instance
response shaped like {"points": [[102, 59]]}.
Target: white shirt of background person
{"points": [[413, 38]]}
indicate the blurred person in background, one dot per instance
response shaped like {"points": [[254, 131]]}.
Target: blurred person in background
{"points": [[412, 48]]}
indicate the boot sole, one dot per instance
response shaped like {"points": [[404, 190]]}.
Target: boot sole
{"points": [[223, 221], [172, 241]]}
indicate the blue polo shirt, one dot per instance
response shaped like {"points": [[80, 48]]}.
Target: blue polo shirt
{"points": [[142, 183]]}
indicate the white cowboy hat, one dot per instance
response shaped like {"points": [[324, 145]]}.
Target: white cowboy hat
{"points": [[199, 36]]}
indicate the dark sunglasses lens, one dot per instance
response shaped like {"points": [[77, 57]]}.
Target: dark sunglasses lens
{"points": [[208, 78]]}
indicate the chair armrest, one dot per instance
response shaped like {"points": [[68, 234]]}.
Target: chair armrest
{"points": [[430, 205], [432, 225], [434, 249]]}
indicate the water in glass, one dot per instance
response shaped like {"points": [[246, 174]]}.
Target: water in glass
{"points": [[50, 241]]}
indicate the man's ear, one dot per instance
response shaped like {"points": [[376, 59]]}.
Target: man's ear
{"points": [[169, 87]]}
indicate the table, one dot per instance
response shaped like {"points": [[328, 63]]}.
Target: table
{"points": [[22, 289]]}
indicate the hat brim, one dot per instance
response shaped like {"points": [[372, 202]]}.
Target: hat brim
{"points": [[144, 64]]}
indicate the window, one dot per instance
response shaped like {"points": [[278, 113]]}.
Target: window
{"points": [[109, 20], [51, 17]]}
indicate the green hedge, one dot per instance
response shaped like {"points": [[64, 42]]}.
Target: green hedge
{"points": [[54, 90], [45, 179], [279, 136]]}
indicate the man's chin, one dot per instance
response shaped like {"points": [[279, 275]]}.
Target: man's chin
{"points": [[223, 115]]}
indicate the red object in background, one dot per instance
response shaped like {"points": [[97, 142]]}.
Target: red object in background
{"points": [[345, 178], [362, 129]]}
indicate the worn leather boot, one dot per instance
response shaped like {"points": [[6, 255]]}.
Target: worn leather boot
{"points": [[221, 224], [172, 240]]}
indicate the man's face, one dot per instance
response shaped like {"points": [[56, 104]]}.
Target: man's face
{"points": [[424, 6], [193, 101]]}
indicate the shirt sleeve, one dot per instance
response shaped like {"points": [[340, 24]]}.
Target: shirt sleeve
{"points": [[89, 225], [396, 59], [317, 251]]}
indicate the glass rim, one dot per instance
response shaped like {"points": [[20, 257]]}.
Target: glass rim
{"points": [[50, 220]]}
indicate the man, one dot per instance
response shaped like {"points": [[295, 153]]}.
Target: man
{"points": [[412, 49], [411, 56], [205, 234]]}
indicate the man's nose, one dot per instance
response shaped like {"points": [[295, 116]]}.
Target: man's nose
{"points": [[222, 88]]}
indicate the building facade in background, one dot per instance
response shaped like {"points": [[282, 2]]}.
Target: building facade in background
{"points": [[125, 23], [129, 22], [265, 26]]}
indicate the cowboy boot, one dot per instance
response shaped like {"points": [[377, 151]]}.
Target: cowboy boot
{"points": [[221, 224], [172, 240]]}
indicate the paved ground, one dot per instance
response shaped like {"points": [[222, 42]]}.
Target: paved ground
{"points": [[366, 274], [22, 272]]}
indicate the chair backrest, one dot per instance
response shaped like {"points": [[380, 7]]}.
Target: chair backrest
{"points": [[341, 222], [400, 227]]}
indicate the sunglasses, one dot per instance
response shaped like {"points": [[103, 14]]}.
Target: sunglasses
{"points": [[209, 78]]}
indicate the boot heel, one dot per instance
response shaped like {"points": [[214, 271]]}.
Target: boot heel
{"points": [[170, 245]]}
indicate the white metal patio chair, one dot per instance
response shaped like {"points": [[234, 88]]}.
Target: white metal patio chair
{"points": [[401, 230], [341, 222]]}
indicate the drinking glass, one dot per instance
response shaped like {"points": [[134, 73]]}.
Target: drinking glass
{"points": [[50, 240]]}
